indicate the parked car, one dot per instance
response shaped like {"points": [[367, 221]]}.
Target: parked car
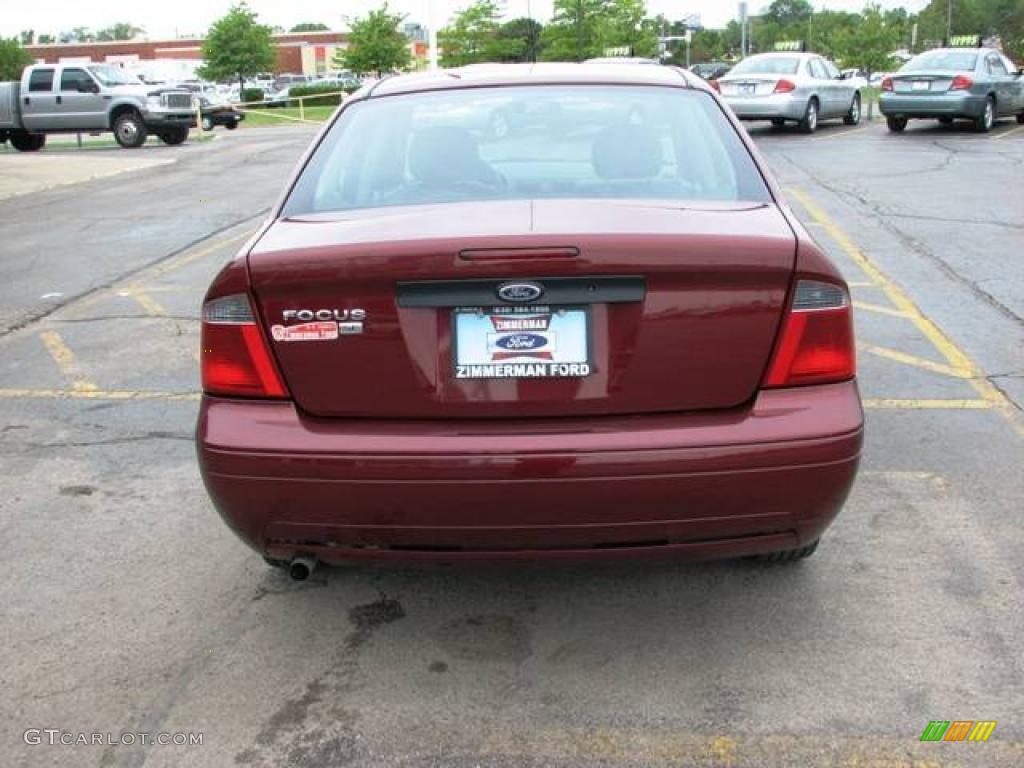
{"points": [[804, 88], [978, 84], [608, 342], [711, 70], [90, 98], [216, 112], [283, 81], [278, 98]]}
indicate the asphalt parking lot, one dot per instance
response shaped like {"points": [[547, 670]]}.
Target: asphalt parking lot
{"points": [[130, 607]]}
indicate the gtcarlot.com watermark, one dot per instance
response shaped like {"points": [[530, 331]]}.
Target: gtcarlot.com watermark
{"points": [[57, 737]]}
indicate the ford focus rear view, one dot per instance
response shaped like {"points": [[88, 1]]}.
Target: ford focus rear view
{"points": [[598, 333]]}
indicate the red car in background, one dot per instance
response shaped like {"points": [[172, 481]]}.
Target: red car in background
{"points": [[600, 336]]}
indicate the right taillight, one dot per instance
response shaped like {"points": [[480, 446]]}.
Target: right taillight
{"points": [[235, 358], [961, 83], [785, 86], [816, 343], [886, 83]]}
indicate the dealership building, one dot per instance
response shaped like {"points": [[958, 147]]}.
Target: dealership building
{"points": [[307, 53]]}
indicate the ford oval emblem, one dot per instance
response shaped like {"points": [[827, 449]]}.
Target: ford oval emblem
{"points": [[520, 292], [519, 341]]}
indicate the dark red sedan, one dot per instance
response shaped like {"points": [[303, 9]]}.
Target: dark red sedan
{"points": [[599, 332]]}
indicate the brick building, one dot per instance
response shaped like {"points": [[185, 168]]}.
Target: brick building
{"points": [[300, 52]]}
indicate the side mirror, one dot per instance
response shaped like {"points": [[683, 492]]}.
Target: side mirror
{"points": [[88, 88]]}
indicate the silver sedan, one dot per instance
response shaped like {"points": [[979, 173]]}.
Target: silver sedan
{"points": [[804, 88]]}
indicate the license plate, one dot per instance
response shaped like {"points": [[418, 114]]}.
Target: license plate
{"points": [[521, 342], [921, 85], [748, 88]]}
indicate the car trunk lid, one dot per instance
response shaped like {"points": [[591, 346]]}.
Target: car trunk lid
{"points": [[680, 304]]}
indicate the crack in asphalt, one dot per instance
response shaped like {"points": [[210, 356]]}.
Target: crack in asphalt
{"points": [[34, 317], [911, 243]]}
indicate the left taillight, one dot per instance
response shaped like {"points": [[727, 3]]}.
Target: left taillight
{"points": [[235, 358], [816, 344]]}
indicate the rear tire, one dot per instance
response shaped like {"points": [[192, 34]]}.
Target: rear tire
{"points": [[790, 555], [129, 130], [232, 126], [1020, 118], [896, 124], [23, 141], [984, 122], [853, 116], [207, 123], [172, 137], [809, 122]]}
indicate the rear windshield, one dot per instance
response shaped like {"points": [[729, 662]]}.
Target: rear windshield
{"points": [[945, 61], [767, 65], [528, 142]]}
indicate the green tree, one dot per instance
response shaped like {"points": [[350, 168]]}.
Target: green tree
{"points": [[869, 45], [476, 34], [120, 31], [375, 45], [784, 13], [573, 32], [527, 32], [13, 59], [308, 26], [27, 36], [625, 24], [46, 40], [237, 46]]}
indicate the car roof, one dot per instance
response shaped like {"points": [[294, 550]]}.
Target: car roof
{"points": [[784, 55], [547, 73]]}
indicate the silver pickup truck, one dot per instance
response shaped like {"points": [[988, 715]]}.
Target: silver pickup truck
{"points": [[90, 98]]}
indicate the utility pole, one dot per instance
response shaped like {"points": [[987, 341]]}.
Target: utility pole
{"points": [[432, 35], [744, 43]]}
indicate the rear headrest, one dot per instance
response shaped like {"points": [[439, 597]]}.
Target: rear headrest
{"points": [[626, 152], [445, 154]]}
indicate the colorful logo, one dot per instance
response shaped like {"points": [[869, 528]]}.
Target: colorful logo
{"points": [[521, 336], [958, 730]]}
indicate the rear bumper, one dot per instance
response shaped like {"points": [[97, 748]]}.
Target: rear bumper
{"points": [[955, 104], [782, 105], [764, 478]]}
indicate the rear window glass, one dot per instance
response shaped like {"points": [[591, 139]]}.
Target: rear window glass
{"points": [[945, 61], [767, 65], [41, 80], [528, 142]]}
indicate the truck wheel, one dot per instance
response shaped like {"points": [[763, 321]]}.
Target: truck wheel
{"points": [[231, 126], [207, 123], [23, 141], [129, 130], [174, 136]]}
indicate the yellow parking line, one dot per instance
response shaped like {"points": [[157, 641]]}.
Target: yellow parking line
{"points": [[956, 358], [918, 362], [65, 360], [172, 264], [878, 309], [94, 394], [144, 300], [1010, 132], [889, 403]]}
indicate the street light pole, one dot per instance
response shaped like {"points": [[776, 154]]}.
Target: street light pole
{"points": [[431, 35]]}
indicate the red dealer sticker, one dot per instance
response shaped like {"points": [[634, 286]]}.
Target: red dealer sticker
{"points": [[318, 331]]}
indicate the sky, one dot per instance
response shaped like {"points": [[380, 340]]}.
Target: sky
{"points": [[184, 17]]}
